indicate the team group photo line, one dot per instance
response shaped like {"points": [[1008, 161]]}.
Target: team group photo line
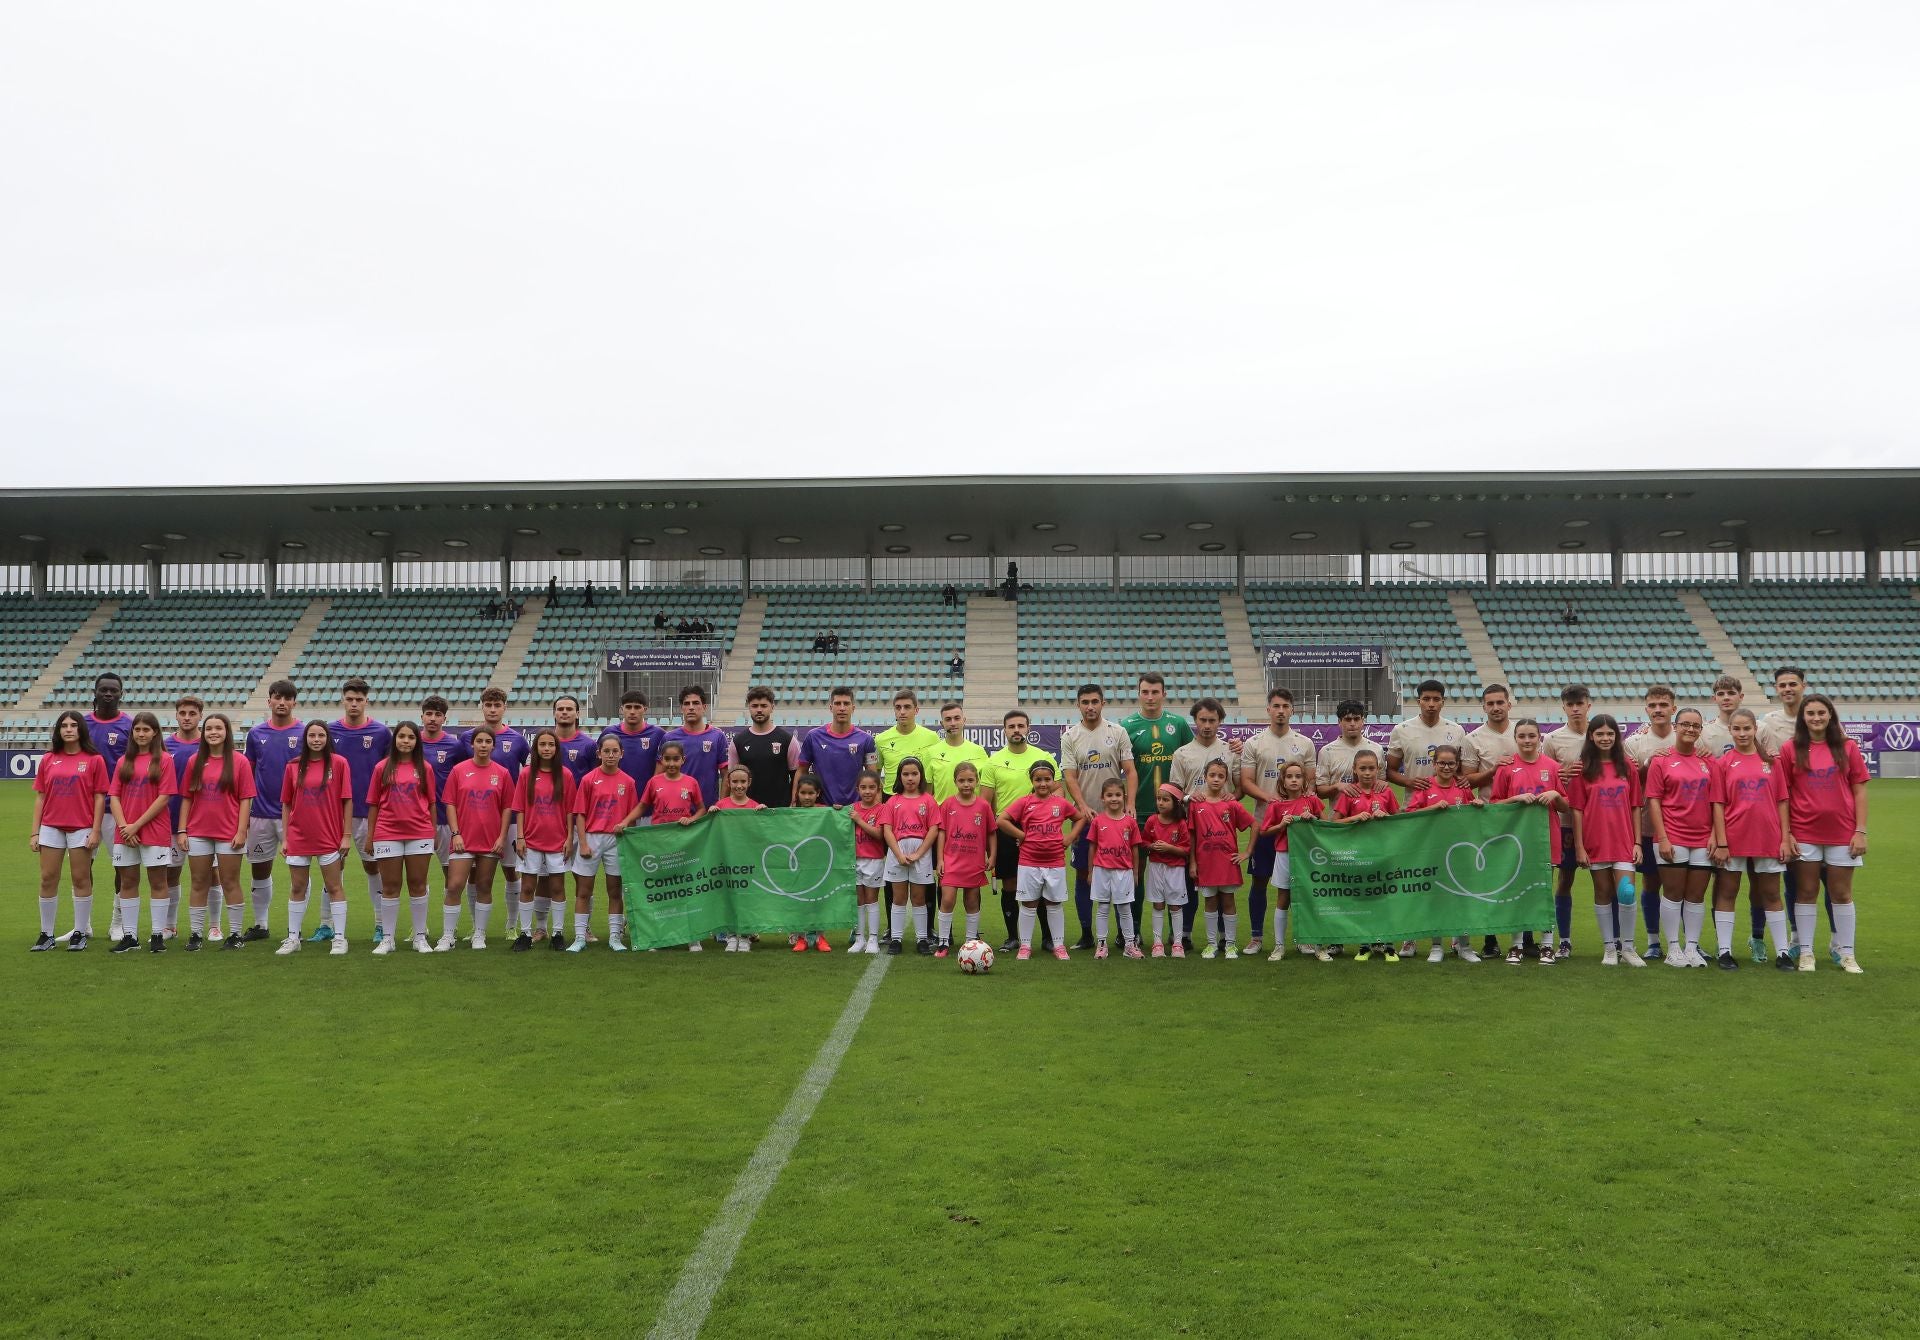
{"points": [[1155, 811]]}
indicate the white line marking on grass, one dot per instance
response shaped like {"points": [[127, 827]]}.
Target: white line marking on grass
{"points": [[686, 1308]]}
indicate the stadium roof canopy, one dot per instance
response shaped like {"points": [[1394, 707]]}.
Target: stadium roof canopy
{"points": [[1689, 510]]}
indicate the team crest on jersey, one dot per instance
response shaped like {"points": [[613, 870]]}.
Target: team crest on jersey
{"points": [[113, 737], [366, 742], [706, 746], [776, 747], [853, 748]]}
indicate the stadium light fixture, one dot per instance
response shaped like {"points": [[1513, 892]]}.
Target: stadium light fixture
{"points": [[1046, 525], [1304, 535], [1671, 534], [381, 534], [1573, 544], [171, 535], [1719, 544], [676, 530], [1578, 523], [712, 550], [406, 553], [293, 544], [1199, 525], [786, 539], [1064, 548], [568, 553], [899, 548], [1151, 535], [959, 537], [232, 555], [455, 543], [1473, 535], [517, 530], [152, 547], [1825, 531], [1914, 543], [34, 539], [640, 539], [892, 527], [1212, 547], [1401, 544], [1733, 522], [1420, 525]]}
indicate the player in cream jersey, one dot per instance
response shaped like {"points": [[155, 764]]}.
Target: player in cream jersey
{"points": [[1333, 766], [1776, 727], [1655, 738], [1261, 759], [1716, 737], [1410, 746], [1492, 745], [1563, 744]]}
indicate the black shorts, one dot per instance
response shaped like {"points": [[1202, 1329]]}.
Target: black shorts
{"points": [[1006, 861], [1260, 859]]}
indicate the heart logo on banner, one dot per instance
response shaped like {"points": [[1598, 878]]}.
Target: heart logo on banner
{"points": [[1483, 870], [782, 872]]}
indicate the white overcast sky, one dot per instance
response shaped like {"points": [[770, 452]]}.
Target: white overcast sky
{"points": [[267, 242]]}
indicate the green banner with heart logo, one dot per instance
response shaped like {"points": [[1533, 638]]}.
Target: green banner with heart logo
{"points": [[1461, 870], [743, 872]]}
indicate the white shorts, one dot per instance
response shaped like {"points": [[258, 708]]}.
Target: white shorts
{"points": [[464, 855], [1167, 884], [602, 854], [107, 829], [1809, 852], [1112, 886], [1627, 867], [263, 839], [509, 858], [360, 839], [154, 857], [870, 872], [1041, 883], [64, 838], [206, 846], [387, 851], [1219, 891], [324, 858], [917, 871], [544, 863], [442, 844], [1282, 872], [1759, 865], [1696, 856]]}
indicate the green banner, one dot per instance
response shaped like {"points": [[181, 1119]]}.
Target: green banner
{"points": [[746, 872], [1460, 870]]}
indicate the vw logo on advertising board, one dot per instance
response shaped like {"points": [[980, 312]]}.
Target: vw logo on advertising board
{"points": [[1897, 737]]}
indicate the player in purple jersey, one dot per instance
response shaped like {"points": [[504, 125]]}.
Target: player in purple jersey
{"points": [[442, 749], [110, 728], [362, 743], [639, 741], [705, 745], [270, 747], [836, 753], [577, 747], [181, 745], [510, 750]]}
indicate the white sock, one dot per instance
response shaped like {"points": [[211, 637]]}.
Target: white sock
{"points": [[1603, 918], [1213, 926], [375, 885], [337, 911], [1057, 923], [920, 922], [237, 916], [296, 916], [449, 920], [1279, 928], [159, 912], [527, 915], [1100, 923], [373, 896], [1027, 917], [542, 911], [512, 884], [216, 903], [973, 925], [580, 920], [82, 912], [1723, 930], [617, 925], [1803, 923], [1227, 919], [1845, 915], [173, 906], [1777, 928], [130, 915], [197, 920], [946, 927], [389, 916], [1670, 921], [417, 913], [482, 914], [1694, 915], [262, 900], [1125, 913], [897, 920], [1156, 914]]}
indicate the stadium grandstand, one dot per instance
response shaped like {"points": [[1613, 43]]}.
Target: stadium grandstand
{"points": [[1003, 591]]}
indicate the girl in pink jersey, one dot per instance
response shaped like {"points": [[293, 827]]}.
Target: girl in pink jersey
{"points": [[969, 836], [1113, 835], [1531, 778], [1218, 819], [806, 796], [733, 796], [869, 815], [1445, 788], [673, 797], [1605, 800], [400, 825], [1169, 843], [543, 820], [1044, 823], [1749, 838], [913, 848], [218, 791], [479, 799], [69, 802], [1369, 798], [143, 830], [1680, 812], [1294, 802], [316, 799], [1827, 820]]}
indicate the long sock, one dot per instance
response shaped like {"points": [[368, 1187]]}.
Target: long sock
{"points": [[1694, 917], [920, 922], [417, 913], [49, 911], [1156, 913], [82, 912], [1803, 923], [1603, 918], [1279, 928], [1826, 898], [1845, 916], [389, 916], [897, 920], [449, 920], [1125, 912], [1563, 914], [373, 896], [1777, 928], [1213, 927], [542, 905], [1228, 932], [130, 915], [237, 916], [296, 916], [1622, 926], [338, 912], [1057, 923], [1009, 911], [1670, 921], [946, 927], [525, 926], [1723, 929], [1650, 914], [1026, 920], [157, 906], [1756, 917], [973, 925], [482, 914], [197, 920], [216, 903], [262, 900], [512, 886], [580, 922], [1100, 923], [617, 925]]}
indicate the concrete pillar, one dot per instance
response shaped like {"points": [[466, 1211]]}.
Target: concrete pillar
{"points": [[866, 574], [746, 572], [37, 579], [1873, 565], [1744, 566], [626, 574], [153, 579], [1113, 572], [270, 577], [1493, 565], [1240, 574], [1366, 568], [506, 579], [1617, 567], [386, 577]]}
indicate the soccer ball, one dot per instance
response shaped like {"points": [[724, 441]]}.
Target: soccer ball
{"points": [[976, 956]]}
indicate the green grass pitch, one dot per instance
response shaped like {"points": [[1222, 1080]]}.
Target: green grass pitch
{"points": [[496, 1144]]}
